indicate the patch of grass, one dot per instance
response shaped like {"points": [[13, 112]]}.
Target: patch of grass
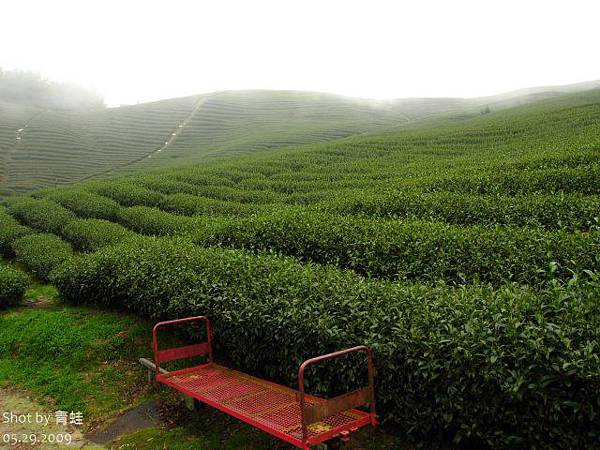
{"points": [[82, 359], [20, 402], [206, 433], [41, 292], [209, 429]]}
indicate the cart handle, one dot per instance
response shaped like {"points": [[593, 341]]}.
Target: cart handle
{"points": [[342, 402], [187, 351]]}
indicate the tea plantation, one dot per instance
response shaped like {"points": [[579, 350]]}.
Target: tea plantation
{"points": [[40, 147], [464, 252]]}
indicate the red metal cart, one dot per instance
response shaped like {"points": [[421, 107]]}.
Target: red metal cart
{"points": [[293, 416]]}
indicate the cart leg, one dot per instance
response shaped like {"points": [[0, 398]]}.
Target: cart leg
{"points": [[189, 402], [150, 376]]}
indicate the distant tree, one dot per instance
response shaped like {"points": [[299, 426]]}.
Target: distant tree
{"points": [[32, 89], [486, 110]]}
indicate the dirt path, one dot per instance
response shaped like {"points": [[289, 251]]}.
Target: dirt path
{"points": [[179, 128], [18, 140], [144, 416], [170, 140], [25, 424]]}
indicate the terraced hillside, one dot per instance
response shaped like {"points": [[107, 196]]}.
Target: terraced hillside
{"points": [[464, 253], [58, 147], [40, 147], [231, 123]]}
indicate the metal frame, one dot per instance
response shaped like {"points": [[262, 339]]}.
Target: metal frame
{"points": [[187, 351], [309, 413], [342, 402]]}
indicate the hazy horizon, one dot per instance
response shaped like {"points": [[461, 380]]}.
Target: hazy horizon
{"points": [[146, 51]]}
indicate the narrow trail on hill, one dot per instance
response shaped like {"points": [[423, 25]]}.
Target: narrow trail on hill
{"points": [[15, 146], [170, 140], [180, 127]]}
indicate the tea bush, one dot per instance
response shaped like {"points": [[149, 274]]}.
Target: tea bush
{"points": [[501, 368], [126, 193], [13, 284], [191, 205], [10, 230], [583, 180], [570, 212], [41, 253], [166, 185], [88, 235], [153, 221], [411, 249], [85, 204], [235, 194], [40, 214]]}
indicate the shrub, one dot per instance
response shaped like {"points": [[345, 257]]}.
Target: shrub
{"points": [[411, 249], [191, 205], [12, 285], [583, 180], [10, 230], [235, 194], [84, 204], [567, 211], [41, 253], [40, 214], [152, 221], [126, 193], [496, 368], [88, 235], [166, 185]]}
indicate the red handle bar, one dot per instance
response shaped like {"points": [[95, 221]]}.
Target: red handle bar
{"points": [[327, 357], [181, 352]]}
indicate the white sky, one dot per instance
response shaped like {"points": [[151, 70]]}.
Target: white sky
{"points": [[133, 51]]}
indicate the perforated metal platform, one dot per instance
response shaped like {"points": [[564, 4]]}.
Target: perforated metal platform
{"points": [[292, 416], [265, 405]]}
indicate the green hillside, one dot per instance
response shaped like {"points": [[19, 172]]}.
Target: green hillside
{"points": [[42, 147], [58, 147], [464, 252]]}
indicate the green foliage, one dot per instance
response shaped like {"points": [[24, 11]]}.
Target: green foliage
{"points": [[127, 194], [74, 355], [41, 253], [88, 235], [191, 205], [498, 368], [152, 221], [79, 145], [12, 285], [83, 203], [411, 249], [567, 211], [40, 214], [60, 147], [10, 230], [583, 180]]}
